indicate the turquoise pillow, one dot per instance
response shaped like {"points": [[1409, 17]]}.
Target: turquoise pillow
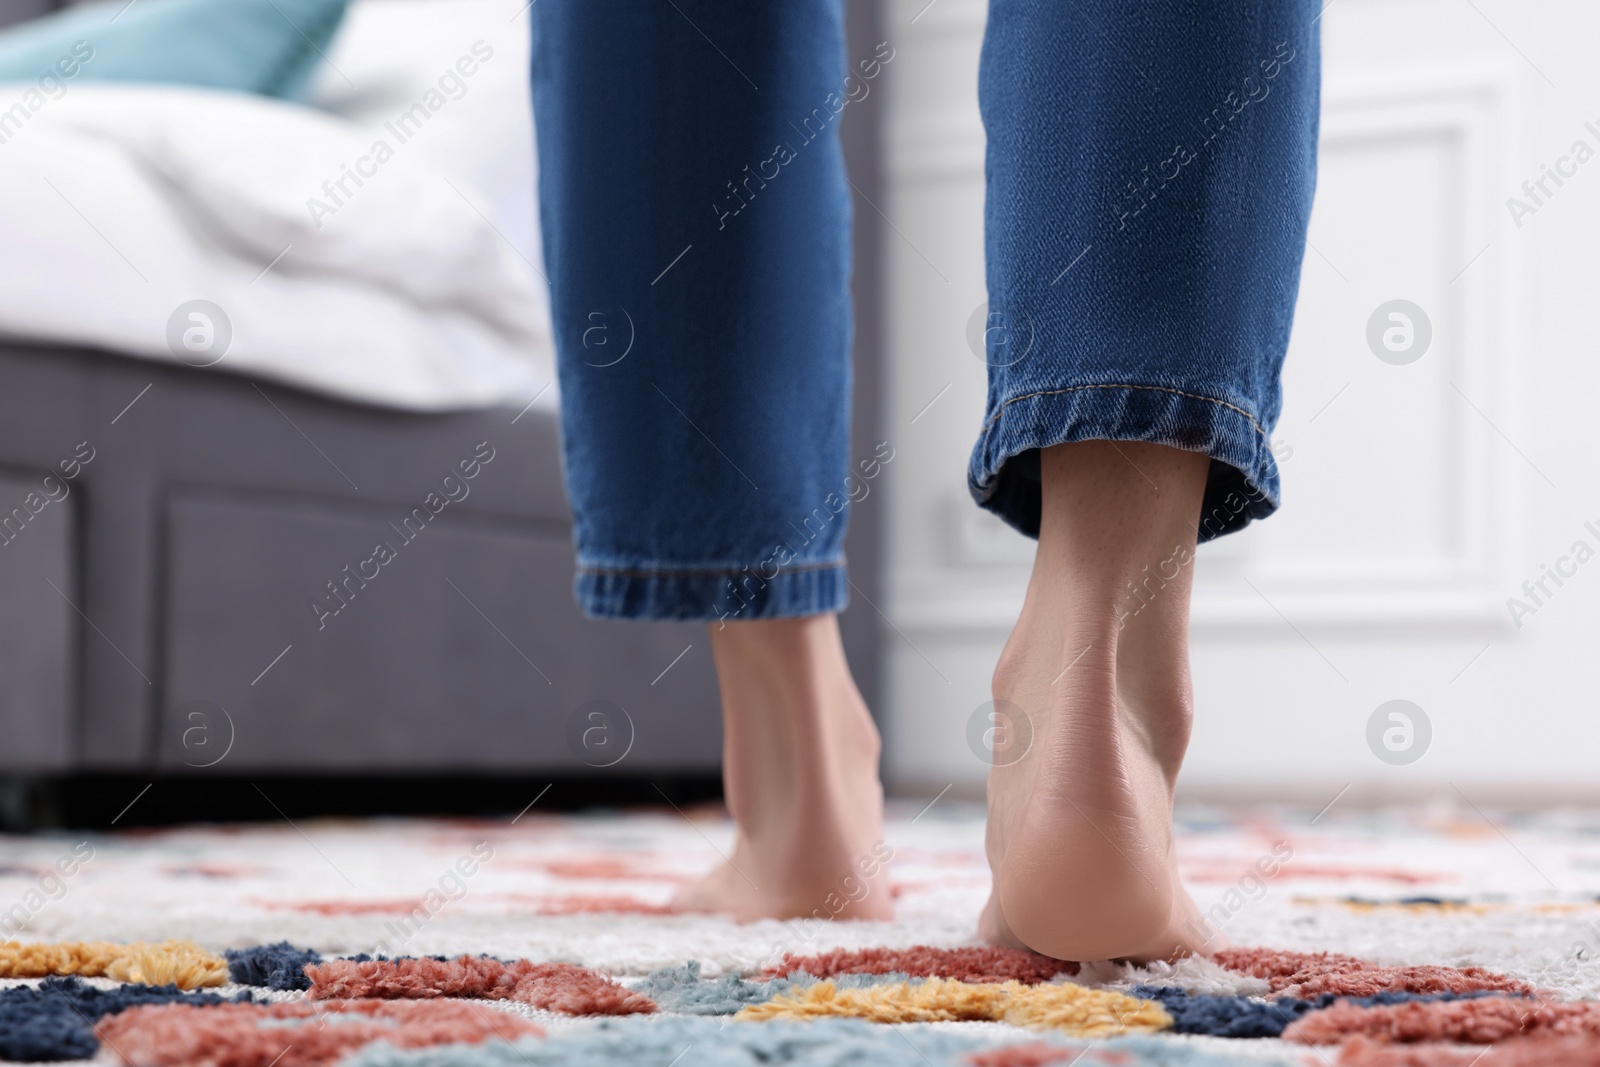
{"points": [[269, 47]]}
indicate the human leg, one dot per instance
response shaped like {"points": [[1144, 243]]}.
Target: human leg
{"points": [[1079, 839], [1150, 174], [800, 767], [696, 224]]}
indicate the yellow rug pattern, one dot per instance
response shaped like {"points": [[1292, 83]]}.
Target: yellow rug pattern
{"points": [[1069, 1009], [180, 963]]}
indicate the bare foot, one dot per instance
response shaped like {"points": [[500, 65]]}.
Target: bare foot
{"points": [[800, 771], [1080, 827]]}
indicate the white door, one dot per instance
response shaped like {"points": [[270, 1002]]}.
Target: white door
{"points": [[1423, 484]]}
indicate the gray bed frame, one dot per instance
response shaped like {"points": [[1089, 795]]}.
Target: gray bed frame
{"points": [[190, 585], [157, 605], [160, 604]]}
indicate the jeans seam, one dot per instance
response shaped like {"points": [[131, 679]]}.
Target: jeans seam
{"points": [[1118, 385], [630, 573]]}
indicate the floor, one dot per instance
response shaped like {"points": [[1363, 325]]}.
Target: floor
{"points": [[1458, 921]]}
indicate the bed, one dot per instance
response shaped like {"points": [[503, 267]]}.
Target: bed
{"points": [[214, 414]]}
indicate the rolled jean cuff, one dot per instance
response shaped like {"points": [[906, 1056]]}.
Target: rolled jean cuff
{"points": [[729, 594], [1242, 485]]}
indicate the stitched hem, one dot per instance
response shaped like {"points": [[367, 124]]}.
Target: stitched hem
{"points": [[1121, 385], [1242, 485], [730, 571], [729, 595]]}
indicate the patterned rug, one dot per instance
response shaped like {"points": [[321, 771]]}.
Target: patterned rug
{"points": [[1445, 937]]}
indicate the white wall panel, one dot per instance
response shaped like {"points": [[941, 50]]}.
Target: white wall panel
{"points": [[1418, 498]]}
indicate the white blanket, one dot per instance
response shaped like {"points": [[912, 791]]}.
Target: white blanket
{"points": [[124, 202]]}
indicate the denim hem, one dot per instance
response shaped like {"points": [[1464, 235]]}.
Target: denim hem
{"points": [[1242, 485], [802, 588]]}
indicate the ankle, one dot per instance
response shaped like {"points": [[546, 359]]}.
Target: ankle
{"points": [[800, 747], [800, 774], [1072, 662]]}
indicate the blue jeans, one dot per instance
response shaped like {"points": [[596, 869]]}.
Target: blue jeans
{"points": [[1150, 171]]}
